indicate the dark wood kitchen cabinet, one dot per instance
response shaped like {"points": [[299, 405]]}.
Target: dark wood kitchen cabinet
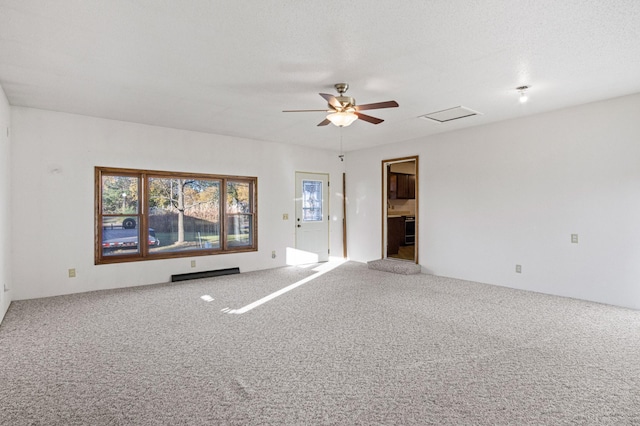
{"points": [[395, 234], [412, 186], [393, 185], [402, 186]]}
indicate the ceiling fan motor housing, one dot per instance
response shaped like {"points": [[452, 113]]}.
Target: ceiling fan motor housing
{"points": [[346, 102], [341, 88]]}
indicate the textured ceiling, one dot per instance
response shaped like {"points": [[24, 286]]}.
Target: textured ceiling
{"points": [[231, 67]]}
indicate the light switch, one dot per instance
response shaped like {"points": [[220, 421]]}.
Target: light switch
{"points": [[574, 238], [285, 216]]}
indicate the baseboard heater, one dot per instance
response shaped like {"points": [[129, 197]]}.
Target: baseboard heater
{"points": [[204, 274]]}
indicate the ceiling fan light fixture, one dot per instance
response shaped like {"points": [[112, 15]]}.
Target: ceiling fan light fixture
{"points": [[342, 119], [524, 97], [343, 110]]}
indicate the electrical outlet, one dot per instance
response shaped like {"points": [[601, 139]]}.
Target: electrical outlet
{"points": [[574, 238], [518, 269], [273, 254], [72, 273], [285, 216], [193, 263]]}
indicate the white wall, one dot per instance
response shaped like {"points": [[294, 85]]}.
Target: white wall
{"points": [[513, 193], [5, 228], [491, 197], [53, 160]]}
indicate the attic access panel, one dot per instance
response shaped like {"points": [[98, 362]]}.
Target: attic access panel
{"points": [[450, 114]]}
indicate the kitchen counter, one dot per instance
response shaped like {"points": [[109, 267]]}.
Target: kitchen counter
{"points": [[399, 213]]}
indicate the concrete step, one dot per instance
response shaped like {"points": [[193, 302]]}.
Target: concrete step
{"points": [[395, 266]]}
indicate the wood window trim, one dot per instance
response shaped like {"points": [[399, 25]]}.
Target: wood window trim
{"points": [[144, 176]]}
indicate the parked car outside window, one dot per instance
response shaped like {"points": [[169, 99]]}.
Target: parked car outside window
{"points": [[125, 238]]}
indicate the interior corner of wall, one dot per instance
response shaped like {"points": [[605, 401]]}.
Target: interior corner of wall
{"points": [[5, 301]]}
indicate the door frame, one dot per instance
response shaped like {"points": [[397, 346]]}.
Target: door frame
{"points": [[385, 197]]}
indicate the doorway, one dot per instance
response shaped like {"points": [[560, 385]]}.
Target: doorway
{"points": [[312, 215], [400, 209]]}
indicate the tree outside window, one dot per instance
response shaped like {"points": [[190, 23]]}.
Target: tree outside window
{"points": [[176, 214]]}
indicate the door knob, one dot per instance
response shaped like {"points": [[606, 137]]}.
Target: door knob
{"points": [[299, 226]]}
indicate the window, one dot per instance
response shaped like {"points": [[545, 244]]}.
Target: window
{"points": [[312, 201], [175, 214]]}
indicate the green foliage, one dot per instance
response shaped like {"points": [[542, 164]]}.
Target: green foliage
{"points": [[119, 195]]}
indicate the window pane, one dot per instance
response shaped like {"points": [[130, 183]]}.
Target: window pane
{"points": [[238, 197], [311, 200], [119, 194], [239, 230], [120, 235], [184, 214], [239, 222]]}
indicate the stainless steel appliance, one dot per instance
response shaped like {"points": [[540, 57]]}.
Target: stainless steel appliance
{"points": [[409, 230]]}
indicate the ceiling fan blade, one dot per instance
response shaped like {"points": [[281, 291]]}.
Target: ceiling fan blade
{"points": [[377, 105], [332, 101], [324, 122], [369, 118], [306, 110]]}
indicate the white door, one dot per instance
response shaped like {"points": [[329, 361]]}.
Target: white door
{"points": [[312, 215]]}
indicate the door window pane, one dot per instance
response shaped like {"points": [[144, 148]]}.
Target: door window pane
{"points": [[311, 200]]}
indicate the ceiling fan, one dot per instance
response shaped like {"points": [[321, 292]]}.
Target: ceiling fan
{"points": [[343, 109]]}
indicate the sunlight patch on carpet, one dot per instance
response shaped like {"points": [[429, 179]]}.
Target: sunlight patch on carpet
{"points": [[320, 270]]}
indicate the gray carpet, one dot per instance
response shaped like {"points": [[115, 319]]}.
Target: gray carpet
{"points": [[353, 346]]}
